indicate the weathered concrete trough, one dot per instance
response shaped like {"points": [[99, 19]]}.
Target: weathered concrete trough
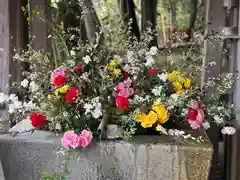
{"points": [[26, 156]]}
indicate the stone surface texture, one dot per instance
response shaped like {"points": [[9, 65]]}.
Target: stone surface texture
{"points": [[27, 155]]}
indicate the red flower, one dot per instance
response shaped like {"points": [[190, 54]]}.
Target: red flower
{"points": [[78, 69], [155, 70], [192, 114], [38, 120], [122, 102], [125, 74], [150, 72], [72, 95], [59, 80]]}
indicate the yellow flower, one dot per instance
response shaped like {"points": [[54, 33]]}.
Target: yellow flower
{"points": [[161, 111], [187, 83], [116, 72], [147, 121], [111, 66], [113, 62], [158, 127], [61, 90], [174, 75], [178, 87], [64, 89], [56, 92]]}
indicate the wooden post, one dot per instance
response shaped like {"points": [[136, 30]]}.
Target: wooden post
{"points": [[212, 53], [19, 38], [235, 145], [4, 45], [13, 35]]}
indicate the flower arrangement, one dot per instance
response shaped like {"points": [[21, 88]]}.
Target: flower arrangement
{"points": [[130, 89]]}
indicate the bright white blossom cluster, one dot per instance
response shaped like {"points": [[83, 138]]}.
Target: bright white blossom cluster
{"points": [[15, 106], [228, 130], [33, 87], [94, 107]]}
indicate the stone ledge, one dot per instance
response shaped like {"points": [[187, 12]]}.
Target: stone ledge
{"points": [[26, 156]]}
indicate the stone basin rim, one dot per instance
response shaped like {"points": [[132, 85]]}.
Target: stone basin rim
{"points": [[39, 136]]}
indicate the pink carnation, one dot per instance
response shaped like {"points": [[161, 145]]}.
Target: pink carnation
{"points": [[123, 89], [70, 139], [56, 74], [85, 138], [195, 115]]}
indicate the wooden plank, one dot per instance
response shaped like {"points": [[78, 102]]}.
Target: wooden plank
{"points": [[38, 27], [212, 53], [235, 146], [4, 45], [19, 38]]}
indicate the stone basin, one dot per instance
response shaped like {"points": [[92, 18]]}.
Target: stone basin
{"points": [[155, 157]]}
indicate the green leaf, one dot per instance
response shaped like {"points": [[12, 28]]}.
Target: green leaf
{"points": [[113, 110], [23, 8]]}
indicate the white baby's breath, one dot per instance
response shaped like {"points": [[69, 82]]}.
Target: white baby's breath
{"points": [[73, 53], [218, 120], [25, 83], [228, 130], [150, 61], [88, 108], [87, 59], [163, 77], [3, 98], [157, 90], [206, 125], [33, 87], [153, 50]]}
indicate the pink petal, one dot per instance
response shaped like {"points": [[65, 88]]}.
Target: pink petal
{"points": [[83, 141], [87, 134]]}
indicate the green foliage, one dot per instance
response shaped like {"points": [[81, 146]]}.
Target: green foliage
{"points": [[30, 12], [57, 176]]}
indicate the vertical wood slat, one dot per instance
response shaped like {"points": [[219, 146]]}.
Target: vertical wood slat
{"points": [[235, 146], [19, 37], [4, 45], [38, 28], [212, 53], [212, 46]]}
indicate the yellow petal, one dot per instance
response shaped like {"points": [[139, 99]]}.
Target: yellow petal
{"points": [[116, 72], [56, 92], [172, 76], [162, 113], [141, 117], [177, 86], [148, 120], [64, 89], [113, 62], [187, 83], [159, 127]]}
